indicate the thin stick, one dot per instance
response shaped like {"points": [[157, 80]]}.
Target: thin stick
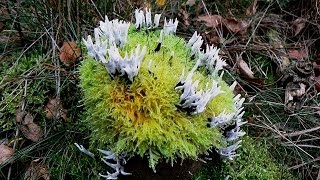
{"points": [[303, 164], [298, 133]]}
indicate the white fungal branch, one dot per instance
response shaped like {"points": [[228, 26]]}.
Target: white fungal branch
{"points": [[116, 31], [194, 101], [117, 162], [127, 66], [209, 58], [230, 151], [221, 120], [98, 49], [109, 32], [195, 43], [117, 165], [84, 150], [230, 125], [145, 20], [170, 27]]}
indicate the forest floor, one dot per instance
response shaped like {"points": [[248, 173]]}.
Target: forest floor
{"points": [[271, 48]]}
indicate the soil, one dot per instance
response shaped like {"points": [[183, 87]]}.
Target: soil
{"points": [[164, 171]]}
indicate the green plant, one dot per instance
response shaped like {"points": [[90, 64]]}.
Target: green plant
{"points": [[254, 162], [17, 86], [139, 104]]}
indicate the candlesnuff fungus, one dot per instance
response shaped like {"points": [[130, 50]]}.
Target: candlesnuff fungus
{"points": [[140, 103]]}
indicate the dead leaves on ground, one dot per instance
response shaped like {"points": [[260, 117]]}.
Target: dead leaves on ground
{"points": [[252, 9], [211, 21], [244, 68], [161, 3], [298, 25], [29, 129], [69, 53], [54, 110], [217, 24], [6, 153], [36, 171], [298, 54]]}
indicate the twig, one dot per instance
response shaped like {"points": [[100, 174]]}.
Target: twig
{"points": [[305, 163], [279, 133], [97, 9], [298, 133]]}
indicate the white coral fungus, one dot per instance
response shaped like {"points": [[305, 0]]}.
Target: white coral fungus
{"points": [[84, 150], [116, 31], [117, 166], [195, 43], [146, 19], [98, 49], [230, 124], [129, 65], [230, 151], [170, 27], [192, 100]]}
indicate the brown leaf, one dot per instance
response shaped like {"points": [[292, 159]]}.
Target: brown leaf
{"points": [[20, 115], [298, 54], [213, 38], [28, 119], [298, 25], [37, 171], [31, 131], [317, 83], [5, 153], [1, 26], [211, 21], [191, 2], [54, 109], [252, 9], [161, 3], [69, 53], [184, 16], [235, 26], [244, 68]]}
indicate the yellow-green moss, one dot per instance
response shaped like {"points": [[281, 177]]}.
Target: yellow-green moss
{"points": [[141, 118]]}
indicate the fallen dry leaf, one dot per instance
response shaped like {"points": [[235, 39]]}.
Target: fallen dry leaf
{"points": [[20, 115], [244, 68], [54, 109], [317, 83], [29, 129], [252, 9], [5, 153], [298, 25], [211, 21], [298, 54], [191, 2], [161, 3], [1, 26], [184, 16], [69, 53], [37, 171], [213, 38], [235, 26], [28, 119]]}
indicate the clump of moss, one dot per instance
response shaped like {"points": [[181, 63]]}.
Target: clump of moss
{"points": [[14, 82], [254, 162], [140, 116]]}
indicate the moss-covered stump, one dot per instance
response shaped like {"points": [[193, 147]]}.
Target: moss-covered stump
{"points": [[150, 94]]}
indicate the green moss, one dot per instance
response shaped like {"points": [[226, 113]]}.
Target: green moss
{"points": [[14, 80], [141, 118], [255, 162]]}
